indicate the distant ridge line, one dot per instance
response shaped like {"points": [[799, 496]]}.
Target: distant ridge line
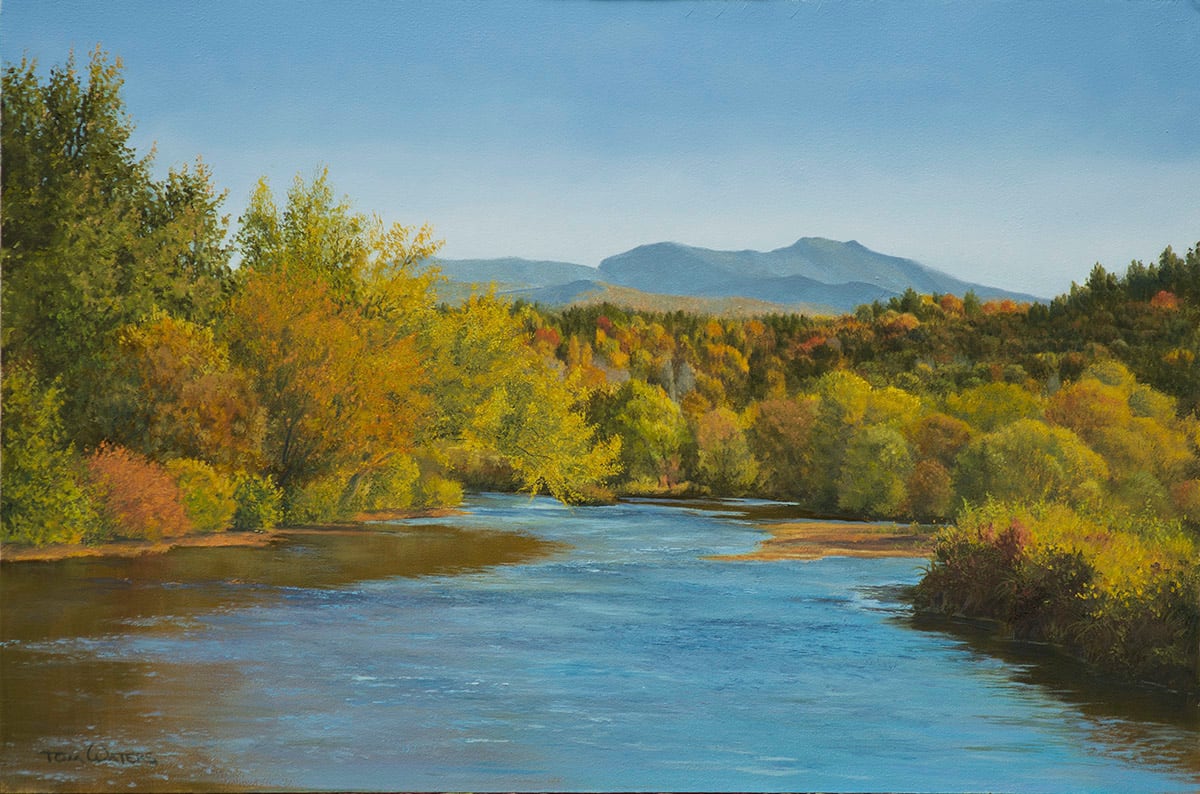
{"points": [[814, 273]]}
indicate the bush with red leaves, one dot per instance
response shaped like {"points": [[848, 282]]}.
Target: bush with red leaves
{"points": [[138, 498]]}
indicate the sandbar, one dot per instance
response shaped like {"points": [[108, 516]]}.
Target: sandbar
{"points": [[813, 540]]}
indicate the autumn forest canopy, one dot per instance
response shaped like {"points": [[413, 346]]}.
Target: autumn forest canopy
{"points": [[169, 372]]}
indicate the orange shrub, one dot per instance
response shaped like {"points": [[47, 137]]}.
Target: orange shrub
{"points": [[952, 304], [138, 498], [1165, 300]]}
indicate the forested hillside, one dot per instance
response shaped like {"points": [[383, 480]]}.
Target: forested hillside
{"points": [[1059, 440], [153, 388]]}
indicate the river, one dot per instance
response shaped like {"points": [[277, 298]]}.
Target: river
{"points": [[525, 645]]}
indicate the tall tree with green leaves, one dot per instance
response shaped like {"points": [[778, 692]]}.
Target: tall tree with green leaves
{"points": [[92, 242], [653, 432]]}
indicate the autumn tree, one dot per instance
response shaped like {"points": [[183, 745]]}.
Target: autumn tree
{"points": [[930, 489], [939, 437], [341, 396], [325, 318], [174, 393], [993, 405], [1135, 428], [493, 392], [725, 462], [781, 439], [138, 498], [1030, 461]]}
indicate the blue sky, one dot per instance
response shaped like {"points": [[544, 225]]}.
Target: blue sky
{"points": [[1013, 143]]}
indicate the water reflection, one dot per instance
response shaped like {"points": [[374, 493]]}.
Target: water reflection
{"points": [[78, 714], [88, 596], [1141, 723]]}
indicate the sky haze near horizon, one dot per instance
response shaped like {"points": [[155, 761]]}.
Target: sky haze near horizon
{"points": [[1008, 143]]}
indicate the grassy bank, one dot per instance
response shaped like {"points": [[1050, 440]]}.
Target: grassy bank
{"points": [[11, 552], [1121, 592]]}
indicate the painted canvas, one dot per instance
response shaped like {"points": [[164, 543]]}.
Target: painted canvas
{"points": [[600, 396]]}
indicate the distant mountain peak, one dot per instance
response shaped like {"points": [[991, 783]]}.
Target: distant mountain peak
{"points": [[812, 271]]}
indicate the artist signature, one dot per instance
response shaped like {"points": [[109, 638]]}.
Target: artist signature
{"points": [[100, 754]]}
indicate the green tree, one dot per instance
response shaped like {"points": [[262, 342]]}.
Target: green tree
{"points": [[494, 393], [41, 498], [874, 472], [206, 494], [653, 432], [91, 242], [257, 502], [1030, 461], [843, 401]]}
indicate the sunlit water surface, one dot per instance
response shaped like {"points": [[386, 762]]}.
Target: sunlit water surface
{"points": [[527, 646]]}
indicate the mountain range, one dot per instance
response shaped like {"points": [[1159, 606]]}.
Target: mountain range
{"points": [[814, 275]]}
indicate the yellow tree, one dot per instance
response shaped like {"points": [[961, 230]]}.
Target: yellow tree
{"points": [[1030, 461], [725, 460], [993, 405], [652, 430], [341, 396], [1135, 429], [326, 317], [494, 393]]}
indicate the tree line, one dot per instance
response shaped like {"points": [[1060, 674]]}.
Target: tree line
{"points": [[152, 388], [1057, 443]]}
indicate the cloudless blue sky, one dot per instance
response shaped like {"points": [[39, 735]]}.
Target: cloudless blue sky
{"points": [[1013, 143]]}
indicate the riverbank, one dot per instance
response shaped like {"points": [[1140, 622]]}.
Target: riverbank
{"points": [[262, 538], [812, 540]]}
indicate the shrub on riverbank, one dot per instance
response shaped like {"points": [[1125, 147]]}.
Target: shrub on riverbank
{"points": [[258, 503], [206, 493], [1119, 590], [138, 498]]}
